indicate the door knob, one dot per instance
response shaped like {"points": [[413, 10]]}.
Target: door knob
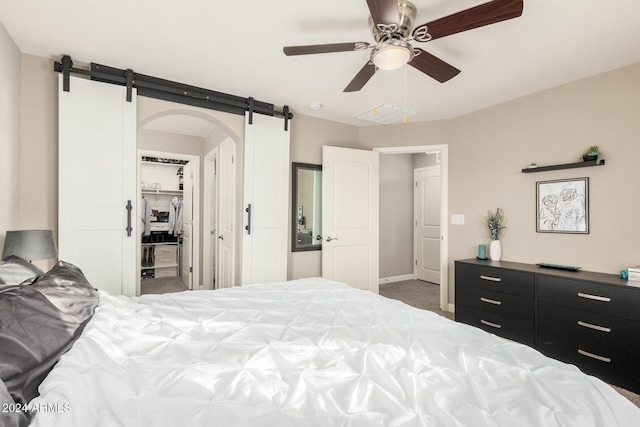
{"points": [[329, 238], [221, 237], [319, 237]]}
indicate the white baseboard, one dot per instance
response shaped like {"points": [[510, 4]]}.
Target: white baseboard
{"points": [[451, 308], [396, 278]]}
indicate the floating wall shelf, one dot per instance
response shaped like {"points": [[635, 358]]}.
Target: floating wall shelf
{"points": [[565, 166]]}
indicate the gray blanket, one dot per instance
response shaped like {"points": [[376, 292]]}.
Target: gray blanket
{"points": [[38, 324]]}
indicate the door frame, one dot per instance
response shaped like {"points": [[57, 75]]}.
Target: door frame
{"points": [[415, 214], [196, 211], [210, 200], [444, 210]]}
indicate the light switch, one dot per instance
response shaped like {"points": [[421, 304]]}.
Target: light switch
{"points": [[457, 219]]}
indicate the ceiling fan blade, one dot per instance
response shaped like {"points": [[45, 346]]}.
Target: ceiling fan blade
{"points": [[475, 17], [384, 12], [433, 67], [324, 48], [361, 79]]}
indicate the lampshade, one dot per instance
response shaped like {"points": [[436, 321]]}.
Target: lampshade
{"points": [[30, 245], [391, 57]]}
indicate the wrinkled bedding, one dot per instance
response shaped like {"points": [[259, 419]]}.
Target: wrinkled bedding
{"points": [[308, 353]]}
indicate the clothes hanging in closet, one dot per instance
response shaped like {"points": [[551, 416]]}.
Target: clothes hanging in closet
{"points": [[145, 216], [175, 217], [178, 228]]}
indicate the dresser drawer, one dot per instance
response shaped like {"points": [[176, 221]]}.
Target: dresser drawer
{"points": [[496, 279], [601, 298], [500, 303], [499, 325], [613, 366], [609, 331]]}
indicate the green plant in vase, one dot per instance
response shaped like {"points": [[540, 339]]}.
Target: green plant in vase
{"points": [[591, 153], [495, 222]]}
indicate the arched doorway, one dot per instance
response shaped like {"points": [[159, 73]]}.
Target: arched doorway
{"points": [[196, 136]]}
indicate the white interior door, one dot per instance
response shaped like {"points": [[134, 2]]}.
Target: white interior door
{"points": [[210, 220], [213, 259], [350, 217], [225, 273], [187, 227], [96, 181], [427, 224], [266, 200]]}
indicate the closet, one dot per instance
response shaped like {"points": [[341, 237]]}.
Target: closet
{"points": [[162, 218]]}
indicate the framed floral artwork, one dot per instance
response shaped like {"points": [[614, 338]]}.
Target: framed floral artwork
{"points": [[562, 206]]}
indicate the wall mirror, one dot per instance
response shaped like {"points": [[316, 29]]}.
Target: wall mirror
{"points": [[306, 207]]}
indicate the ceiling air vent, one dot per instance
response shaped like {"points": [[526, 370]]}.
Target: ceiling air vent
{"points": [[385, 114]]}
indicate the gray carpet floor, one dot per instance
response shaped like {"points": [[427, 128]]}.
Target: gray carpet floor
{"points": [[426, 296], [416, 293], [161, 285]]}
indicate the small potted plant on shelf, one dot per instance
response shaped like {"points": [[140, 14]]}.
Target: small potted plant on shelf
{"points": [[495, 222], [591, 153]]}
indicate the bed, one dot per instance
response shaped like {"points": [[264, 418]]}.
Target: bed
{"points": [[307, 352]]}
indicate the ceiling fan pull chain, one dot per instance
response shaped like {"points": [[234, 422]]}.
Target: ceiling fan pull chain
{"points": [[404, 116]]}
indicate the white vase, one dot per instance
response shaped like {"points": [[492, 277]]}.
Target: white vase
{"points": [[495, 250]]}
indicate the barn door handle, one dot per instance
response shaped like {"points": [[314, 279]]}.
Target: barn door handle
{"points": [[248, 226], [129, 208]]}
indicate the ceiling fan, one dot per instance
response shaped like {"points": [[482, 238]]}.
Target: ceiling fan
{"points": [[391, 24]]}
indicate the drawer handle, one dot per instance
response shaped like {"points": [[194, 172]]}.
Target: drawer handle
{"points": [[594, 356], [490, 301], [594, 297], [493, 325], [492, 279], [592, 326]]}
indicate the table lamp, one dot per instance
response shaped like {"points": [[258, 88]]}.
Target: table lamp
{"points": [[29, 245]]}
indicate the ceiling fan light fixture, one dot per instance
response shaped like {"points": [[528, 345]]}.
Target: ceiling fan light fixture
{"points": [[392, 54], [391, 57]]}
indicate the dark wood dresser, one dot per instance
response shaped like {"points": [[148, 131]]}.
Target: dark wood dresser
{"points": [[591, 320]]}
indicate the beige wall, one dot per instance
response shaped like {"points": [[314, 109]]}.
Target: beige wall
{"points": [[39, 146], [552, 127], [9, 134], [168, 142], [396, 215], [488, 149]]}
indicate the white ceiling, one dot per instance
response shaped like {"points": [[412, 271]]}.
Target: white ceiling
{"points": [[236, 47]]}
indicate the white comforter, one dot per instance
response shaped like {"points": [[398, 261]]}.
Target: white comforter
{"points": [[308, 353]]}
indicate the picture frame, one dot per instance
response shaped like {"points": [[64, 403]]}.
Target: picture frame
{"points": [[562, 206]]}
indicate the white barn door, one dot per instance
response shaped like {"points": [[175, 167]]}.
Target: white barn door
{"points": [[96, 181], [350, 217], [266, 200]]}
